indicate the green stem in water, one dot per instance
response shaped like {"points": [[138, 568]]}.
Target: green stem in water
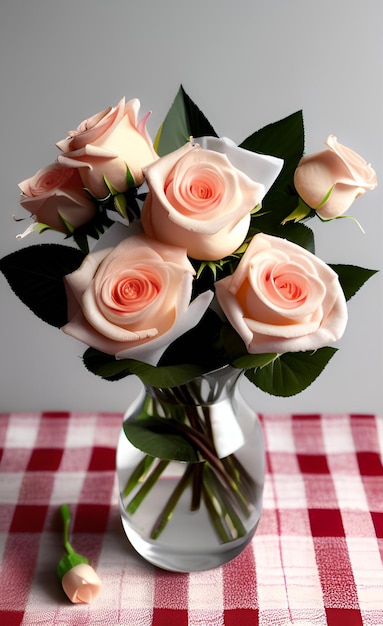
{"points": [[222, 505], [168, 510], [138, 476], [147, 486]]}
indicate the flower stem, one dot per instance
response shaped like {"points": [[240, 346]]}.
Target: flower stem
{"points": [[66, 517], [222, 505], [147, 486], [167, 512], [138, 476]]}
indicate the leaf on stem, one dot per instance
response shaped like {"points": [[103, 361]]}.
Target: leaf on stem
{"points": [[183, 120], [36, 276], [292, 372]]}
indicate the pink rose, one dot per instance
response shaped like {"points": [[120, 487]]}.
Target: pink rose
{"points": [[200, 198], [133, 300], [81, 584], [55, 196], [105, 144], [281, 298], [337, 168]]}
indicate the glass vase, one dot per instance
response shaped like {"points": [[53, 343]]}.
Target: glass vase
{"points": [[190, 464]]}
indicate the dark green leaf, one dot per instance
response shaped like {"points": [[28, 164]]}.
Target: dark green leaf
{"points": [[36, 276], [296, 232], [253, 361], [291, 372], [184, 120], [283, 139], [112, 369], [200, 345], [352, 277], [159, 437]]}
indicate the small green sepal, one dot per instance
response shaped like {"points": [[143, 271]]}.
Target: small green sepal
{"points": [[325, 198], [301, 211], [68, 562], [130, 178], [120, 204], [112, 190]]}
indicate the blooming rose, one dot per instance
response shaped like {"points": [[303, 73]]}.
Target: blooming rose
{"points": [[133, 300], [339, 168], [55, 195], [200, 196], [281, 298], [81, 584], [105, 144]]}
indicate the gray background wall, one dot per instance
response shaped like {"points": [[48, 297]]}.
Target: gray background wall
{"points": [[245, 63]]}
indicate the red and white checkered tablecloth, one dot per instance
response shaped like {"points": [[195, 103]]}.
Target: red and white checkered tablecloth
{"points": [[316, 558]]}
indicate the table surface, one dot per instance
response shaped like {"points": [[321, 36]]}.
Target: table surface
{"points": [[316, 558]]}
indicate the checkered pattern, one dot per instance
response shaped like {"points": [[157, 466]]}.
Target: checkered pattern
{"points": [[316, 558]]}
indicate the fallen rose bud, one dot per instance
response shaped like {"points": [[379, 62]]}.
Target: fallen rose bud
{"points": [[81, 584], [79, 580]]}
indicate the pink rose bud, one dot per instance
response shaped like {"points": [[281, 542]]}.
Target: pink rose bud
{"points": [[81, 584], [330, 181], [79, 580], [55, 196]]}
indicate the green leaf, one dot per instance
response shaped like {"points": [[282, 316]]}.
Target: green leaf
{"points": [[94, 228], [352, 277], [159, 437], [253, 361], [200, 345], [184, 120], [36, 276], [292, 372], [296, 232], [283, 139], [108, 367]]}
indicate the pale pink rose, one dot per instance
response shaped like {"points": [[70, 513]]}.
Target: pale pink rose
{"points": [[201, 198], [133, 300], [281, 298], [105, 144], [339, 168], [55, 195], [81, 584]]}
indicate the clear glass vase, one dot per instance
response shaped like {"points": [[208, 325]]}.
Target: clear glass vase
{"points": [[190, 464]]}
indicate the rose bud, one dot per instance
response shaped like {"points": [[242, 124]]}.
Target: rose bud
{"points": [[79, 580], [56, 197], [330, 181], [81, 584]]}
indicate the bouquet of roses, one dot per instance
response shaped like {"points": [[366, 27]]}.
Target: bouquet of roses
{"points": [[202, 259], [204, 255]]}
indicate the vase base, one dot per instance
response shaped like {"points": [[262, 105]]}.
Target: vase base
{"points": [[186, 560]]}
